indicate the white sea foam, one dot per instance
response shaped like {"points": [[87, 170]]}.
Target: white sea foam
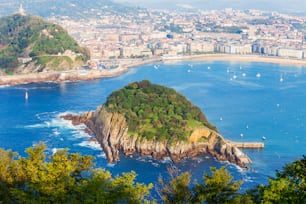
{"points": [[110, 165], [56, 132], [102, 155], [90, 144], [53, 120], [54, 150], [166, 160], [155, 164], [80, 134]]}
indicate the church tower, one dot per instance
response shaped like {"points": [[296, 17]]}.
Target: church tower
{"points": [[21, 10]]}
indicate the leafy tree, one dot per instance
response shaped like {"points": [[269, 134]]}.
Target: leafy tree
{"points": [[177, 189], [218, 187], [72, 178], [289, 185], [63, 178]]}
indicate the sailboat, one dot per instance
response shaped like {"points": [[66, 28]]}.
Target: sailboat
{"points": [[26, 96], [281, 78]]}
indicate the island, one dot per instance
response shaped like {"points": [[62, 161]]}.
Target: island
{"points": [[149, 119]]}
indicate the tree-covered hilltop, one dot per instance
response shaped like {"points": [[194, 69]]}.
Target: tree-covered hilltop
{"points": [[156, 112], [32, 38]]}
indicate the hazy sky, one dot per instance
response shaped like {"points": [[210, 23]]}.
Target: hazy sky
{"points": [[271, 5]]}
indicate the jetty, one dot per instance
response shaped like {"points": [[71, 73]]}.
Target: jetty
{"points": [[247, 145]]}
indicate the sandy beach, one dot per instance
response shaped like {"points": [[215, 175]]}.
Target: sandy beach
{"points": [[242, 58], [80, 75]]}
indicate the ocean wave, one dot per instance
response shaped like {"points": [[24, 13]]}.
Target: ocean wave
{"points": [[155, 164], [111, 165], [101, 155], [166, 160], [91, 145], [78, 134], [56, 132]]}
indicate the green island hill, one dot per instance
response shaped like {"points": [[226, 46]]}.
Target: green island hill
{"points": [[28, 44], [150, 119]]}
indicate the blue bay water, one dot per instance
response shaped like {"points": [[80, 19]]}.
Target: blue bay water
{"points": [[246, 101]]}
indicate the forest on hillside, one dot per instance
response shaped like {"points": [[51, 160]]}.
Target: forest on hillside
{"points": [[156, 112], [30, 36]]}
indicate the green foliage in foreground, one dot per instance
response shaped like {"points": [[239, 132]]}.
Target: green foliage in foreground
{"points": [[289, 185], [156, 112], [71, 178], [63, 178], [216, 188]]}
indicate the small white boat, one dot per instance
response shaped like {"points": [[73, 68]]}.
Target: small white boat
{"points": [[235, 76], [188, 70], [263, 138], [156, 66], [243, 74], [258, 75], [208, 67], [26, 95], [281, 78]]}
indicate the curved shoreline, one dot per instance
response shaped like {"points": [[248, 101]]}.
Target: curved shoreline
{"points": [[242, 58], [83, 75]]}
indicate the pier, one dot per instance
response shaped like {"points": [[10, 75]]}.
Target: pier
{"points": [[247, 145]]}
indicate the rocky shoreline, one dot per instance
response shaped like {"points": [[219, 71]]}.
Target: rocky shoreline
{"points": [[111, 131]]}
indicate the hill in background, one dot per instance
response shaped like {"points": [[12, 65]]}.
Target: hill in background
{"points": [[30, 44], [77, 9]]}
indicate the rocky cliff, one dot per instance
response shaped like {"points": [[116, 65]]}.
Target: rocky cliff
{"points": [[111, 131]]}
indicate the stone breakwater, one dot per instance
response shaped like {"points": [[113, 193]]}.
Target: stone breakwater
{"points": [[111, 132], [73, 75]]}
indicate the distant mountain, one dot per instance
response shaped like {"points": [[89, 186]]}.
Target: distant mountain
{"points": [[32, 44], [71, 8]]}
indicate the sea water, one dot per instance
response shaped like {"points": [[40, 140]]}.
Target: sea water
{"points": [[246, 101]]}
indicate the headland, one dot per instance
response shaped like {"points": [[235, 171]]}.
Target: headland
{"points": [[148, 119]]}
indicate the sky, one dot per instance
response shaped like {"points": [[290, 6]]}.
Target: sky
{"points": [[270, 5]]}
